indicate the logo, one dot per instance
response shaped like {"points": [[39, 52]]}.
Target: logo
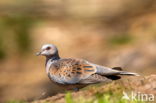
{"points": [[137, 96]]}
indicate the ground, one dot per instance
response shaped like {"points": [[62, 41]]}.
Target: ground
{"points": [[107, 93]]}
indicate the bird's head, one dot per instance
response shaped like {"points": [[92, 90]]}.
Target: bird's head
{"points": [[48, 50]]}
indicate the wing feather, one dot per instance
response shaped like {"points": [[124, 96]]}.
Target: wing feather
{"points": [[71, 71], [95, 78]]}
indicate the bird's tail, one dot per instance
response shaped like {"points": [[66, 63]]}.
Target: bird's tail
{"points": [[128, 73], [124, 72], [113, 71]]}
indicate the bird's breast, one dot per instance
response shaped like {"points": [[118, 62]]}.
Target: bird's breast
{"points": [[57, 79]]}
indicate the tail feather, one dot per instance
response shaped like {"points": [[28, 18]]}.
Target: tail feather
{"points": [[117, 68], [129, 73], [114, 71], [113, 77]]}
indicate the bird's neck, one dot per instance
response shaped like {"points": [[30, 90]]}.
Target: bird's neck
{"points": [[52, 58]]}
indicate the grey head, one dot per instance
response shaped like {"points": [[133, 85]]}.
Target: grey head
{"points": [[49, 51]]}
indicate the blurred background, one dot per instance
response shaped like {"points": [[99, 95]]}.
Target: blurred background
{"points": [[107, 32]]}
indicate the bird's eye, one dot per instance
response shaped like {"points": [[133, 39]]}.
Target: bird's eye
{"points": [[48, 48]]}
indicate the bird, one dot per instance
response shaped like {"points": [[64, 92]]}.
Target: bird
{"points": [[73, 73]]}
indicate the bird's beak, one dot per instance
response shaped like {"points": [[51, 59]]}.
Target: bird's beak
{"points": [[38, 53]]}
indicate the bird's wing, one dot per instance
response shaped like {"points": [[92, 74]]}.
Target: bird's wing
{"points": [[71, 71], [95, 78]]}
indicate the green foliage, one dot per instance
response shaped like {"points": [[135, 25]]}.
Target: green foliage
{"points": [[2, 54], [46, 102], [21, 26], [2, 50], [68, 98], [99, 98], [120, 39], [15, 32], [14, 101]]}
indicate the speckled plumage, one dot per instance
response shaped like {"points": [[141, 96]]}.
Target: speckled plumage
{"points": [[70, 71]]}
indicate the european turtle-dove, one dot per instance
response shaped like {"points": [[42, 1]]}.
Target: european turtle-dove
{"points": [[77, 73]]}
